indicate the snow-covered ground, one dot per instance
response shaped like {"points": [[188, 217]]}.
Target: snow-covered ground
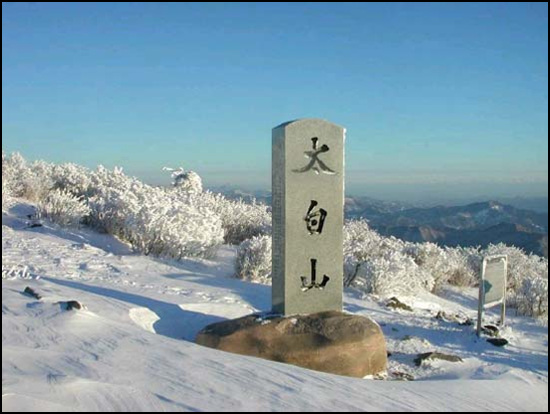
{"points": [[132, 348]]}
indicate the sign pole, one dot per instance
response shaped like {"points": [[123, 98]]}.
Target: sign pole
{"points": [[481, 298]]}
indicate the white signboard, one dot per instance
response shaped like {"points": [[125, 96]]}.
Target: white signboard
{"points": [[494, 274], [492, 289]]}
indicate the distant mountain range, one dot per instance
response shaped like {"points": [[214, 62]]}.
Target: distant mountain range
{"points": [[476, 224], [469, 217]]}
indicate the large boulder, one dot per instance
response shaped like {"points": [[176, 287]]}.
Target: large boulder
{"points": [[333, 342]]}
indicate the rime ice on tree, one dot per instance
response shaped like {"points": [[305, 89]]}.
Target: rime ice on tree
{"points": [[308, 215]]}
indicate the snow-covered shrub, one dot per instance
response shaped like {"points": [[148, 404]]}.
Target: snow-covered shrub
{"points": [[6, 191], [360, 244], [186, 181], [11, 166], [381, 265], [6, 198], [6, 184], [114, 198], [42, 172], [433, 260], [155, 221], [241, 221], [166, 228], [29, 181], [532, 298], [392, 273], [465, 266], [363, 245], [63, 208], [360, 241], [454, 266], [254, 260], [72, 178]]}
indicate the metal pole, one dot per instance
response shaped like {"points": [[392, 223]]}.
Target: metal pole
{"points": [[481, 296], [503, 308]]}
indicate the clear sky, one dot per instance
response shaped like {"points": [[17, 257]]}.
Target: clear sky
{"points": [[439, 99]]}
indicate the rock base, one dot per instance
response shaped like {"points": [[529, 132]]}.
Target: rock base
{"points": [[332, 342]]}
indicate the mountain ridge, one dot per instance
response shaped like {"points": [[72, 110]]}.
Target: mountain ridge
{"points": [[472, 224]]}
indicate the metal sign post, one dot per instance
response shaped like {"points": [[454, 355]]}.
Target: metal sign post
{"points": [[492, 287]]}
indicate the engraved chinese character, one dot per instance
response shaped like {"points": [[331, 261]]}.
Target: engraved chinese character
{"points": [[314, 285], [315, 164], [315, 218]]}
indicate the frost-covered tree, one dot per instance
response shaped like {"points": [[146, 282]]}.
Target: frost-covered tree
{"points": [[382, 265], [366, 253], [29, 181], [433, 260], [72, 178], [153, 220], [392, 273], [360, 244], [465, 266], [187, 181], [12, 167], [6, 184], [532, 297], [63, 208], [241, 221], [254, 260], [6, 198]]}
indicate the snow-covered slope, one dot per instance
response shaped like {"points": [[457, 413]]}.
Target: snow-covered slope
{"points": [[131, 348]]}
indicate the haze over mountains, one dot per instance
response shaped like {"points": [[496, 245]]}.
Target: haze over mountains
{"points": [[475, 224]]}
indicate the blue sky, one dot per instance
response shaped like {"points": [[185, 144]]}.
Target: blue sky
{"points": [[439, 100]]}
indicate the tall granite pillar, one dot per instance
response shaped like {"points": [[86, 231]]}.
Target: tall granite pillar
{"points": [[308, 216]]}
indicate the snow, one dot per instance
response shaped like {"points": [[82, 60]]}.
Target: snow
{"points": [[131, 348]]}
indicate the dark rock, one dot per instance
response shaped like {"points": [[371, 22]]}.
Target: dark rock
{"points": [[500, 342], [450, 318], [445, 317], [467, 322], [402, 376], [491, 331], [31, 292], [71, 305], [436, 356], [332, 342], [395, 303]]}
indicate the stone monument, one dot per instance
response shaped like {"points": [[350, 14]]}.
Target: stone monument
{"points": [[308, 217], [306, 326]]}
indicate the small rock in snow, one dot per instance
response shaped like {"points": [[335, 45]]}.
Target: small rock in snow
{"points": [[395, 303], [491, 330], [500, 342], [434, 356], [71, 305], [31, 292]]}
